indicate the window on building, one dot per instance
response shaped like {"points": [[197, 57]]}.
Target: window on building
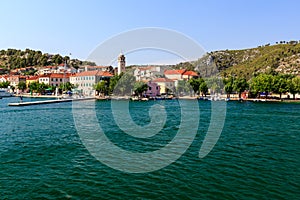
{"points": [[150, 88]]}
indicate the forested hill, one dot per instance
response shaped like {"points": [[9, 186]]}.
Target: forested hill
{"points": [[13, 58], [283, 57]]}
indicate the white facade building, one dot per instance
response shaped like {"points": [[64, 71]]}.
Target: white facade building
{"points": [[85, 81]]}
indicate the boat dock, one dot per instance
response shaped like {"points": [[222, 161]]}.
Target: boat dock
{"points": [[29, 103]]}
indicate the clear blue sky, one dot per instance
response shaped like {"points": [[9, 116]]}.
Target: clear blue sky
{"points": [[77, 27]]}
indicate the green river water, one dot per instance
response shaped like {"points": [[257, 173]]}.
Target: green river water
{"points": [[42, 156]]}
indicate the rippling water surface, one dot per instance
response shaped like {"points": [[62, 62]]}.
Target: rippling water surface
{"points": [[256, 157]]}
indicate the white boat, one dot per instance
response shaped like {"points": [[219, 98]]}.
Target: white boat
{"points": [[214, 98], [5, 93]]}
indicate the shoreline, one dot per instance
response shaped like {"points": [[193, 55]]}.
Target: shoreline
{"points": [[181, 98], [38, 96]]}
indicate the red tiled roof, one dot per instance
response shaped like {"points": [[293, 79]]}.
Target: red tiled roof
{"points": [[54, 75], [162, 80], [32, 78], [44, 76], [86, 73], [93, 73], [171, 71], [105, 74], [50, 67], [190, 73]]}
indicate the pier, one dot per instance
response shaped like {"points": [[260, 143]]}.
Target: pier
{"points": [[30, 103]]}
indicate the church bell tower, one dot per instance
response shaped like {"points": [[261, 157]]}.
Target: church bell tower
{"points": [[121, 63]]}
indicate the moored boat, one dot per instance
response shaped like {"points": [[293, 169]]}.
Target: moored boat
{"points": [[5, 93]]}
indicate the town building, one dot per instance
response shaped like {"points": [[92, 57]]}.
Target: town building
{"points": [[187, 75], [180, 74], [86, 80], [47, 70], [166, 85], [3, 78], [58, 79], [31, 79], [174, 74], [44, 79], [59, 69], [147, 72], [94, 68], [153, 89], [16, 79]]}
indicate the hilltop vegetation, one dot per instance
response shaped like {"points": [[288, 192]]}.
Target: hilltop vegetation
{"points": [[13, 59], [283, 58], [268, 69]]}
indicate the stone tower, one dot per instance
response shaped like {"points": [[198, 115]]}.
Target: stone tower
{"points": [[121, 64]]}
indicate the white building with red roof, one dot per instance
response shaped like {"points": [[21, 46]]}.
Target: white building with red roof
{"points": [[47, 70], [180, 74], [44, 79], [146, 72], [58, 79], [86, 80], [94, 68], [187, 75], [174, 74], [3, 78], [16, 79]]}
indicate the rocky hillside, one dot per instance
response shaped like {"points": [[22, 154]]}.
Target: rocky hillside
{"points": [[280, 58]]}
